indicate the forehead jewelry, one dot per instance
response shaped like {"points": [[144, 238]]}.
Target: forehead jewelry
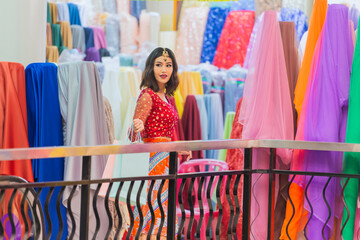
{"points": [[165, 54]]}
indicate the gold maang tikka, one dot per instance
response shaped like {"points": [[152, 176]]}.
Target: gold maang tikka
{"points": [[165, 54]]}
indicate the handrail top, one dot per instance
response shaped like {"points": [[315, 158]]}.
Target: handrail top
{"points": [[54, 152]]}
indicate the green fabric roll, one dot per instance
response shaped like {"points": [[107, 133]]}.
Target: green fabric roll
{"points": [[56, 37], [48, 14], [229, 119], [351, 162]]}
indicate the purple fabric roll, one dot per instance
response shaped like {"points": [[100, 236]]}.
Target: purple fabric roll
{"points": [[92, 54], [326, 116]]}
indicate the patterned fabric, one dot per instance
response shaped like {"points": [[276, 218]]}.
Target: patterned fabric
{"points": [[234, 39], [159, 117], [297, 16], [214, 26], [242, 5], [159, 165], [263, 5]]}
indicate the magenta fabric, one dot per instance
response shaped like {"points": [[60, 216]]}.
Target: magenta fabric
{"points": [[99, 38], [326, 115], [92, 54], [234, 39], [266, 112]]}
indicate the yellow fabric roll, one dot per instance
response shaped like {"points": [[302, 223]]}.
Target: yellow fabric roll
{"points": [[53, 11], [66, 33], [179, 102], [190, 83], [197, 83], [52, 54]]}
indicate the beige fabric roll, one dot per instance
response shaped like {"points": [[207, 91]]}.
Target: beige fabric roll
{"points": [[66, 34], [52, 54], [109, 119], [48, 35], [53, 11], [263, 5]]}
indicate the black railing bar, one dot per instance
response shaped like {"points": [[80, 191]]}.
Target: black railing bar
{"points": [[55, 152], [321, 174]]}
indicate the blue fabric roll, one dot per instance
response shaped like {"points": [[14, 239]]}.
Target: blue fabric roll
{"points": [[74, 14], [89, 37], [136, 7], [297, 16], [242, 5], [45, 129], [215, 23], [234, 87]]}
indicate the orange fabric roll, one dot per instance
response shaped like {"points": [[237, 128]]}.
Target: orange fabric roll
{"points": [[13, 118], [53, 11], [316, 23], [48, 35]]}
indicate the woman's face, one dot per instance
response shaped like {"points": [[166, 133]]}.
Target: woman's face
{"points": [[163, 68]]}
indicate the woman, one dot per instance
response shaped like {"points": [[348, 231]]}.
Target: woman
{"points": [[155, 118]]}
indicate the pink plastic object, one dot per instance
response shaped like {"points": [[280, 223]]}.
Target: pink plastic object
{"points": [[201, 165]]}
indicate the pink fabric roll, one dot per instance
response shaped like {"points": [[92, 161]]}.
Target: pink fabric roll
{"points": [[123, 6], [266, 113], [99, 38], [129, 32], [234, 39], [190, 35], [144, 31]]}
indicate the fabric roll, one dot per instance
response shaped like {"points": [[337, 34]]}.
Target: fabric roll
{"points": [[45, 129], [123, 6], [296, 16], [48, 35], [82, 7], [103, 53], [315, 25], [203, 116], [63, 12], [136, 7], [192, 123], [109, 6], [235, 161], [56, 37], [101, 68], [99, 38], [48, 13], [218, 85], [190, 35], [52, 54], [128, 33], [89, 37], [291, 59], [66, 34], [302, 45], [326, 120], [83, 114], [215, 23], [252, 39], [215, 120], [54, 12], [264, 5], [144, 27], [351, 159], [109, 119], [74, 14], [190, 83], [234, 87], [179, 131], [155, 21], [232, 46], [112, 35], [354, 16], [266, 93], [92, 54], [229, 119], [242, 5], [13, 119], [78, 37], [294, 4]]}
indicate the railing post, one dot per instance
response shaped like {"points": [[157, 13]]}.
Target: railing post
{"points": [[271, 205], [247, 194], [171, 217], [85, 198]]}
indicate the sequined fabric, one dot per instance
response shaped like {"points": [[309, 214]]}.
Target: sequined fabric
{"points": [[297, 16], [263, 5], [190, 35], [242, 5], [214, 26], [158, 116], [295, 4], [234, 39]]}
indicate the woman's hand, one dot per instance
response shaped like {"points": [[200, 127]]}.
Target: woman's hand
{"points": [[188, 153], [138, 125]]}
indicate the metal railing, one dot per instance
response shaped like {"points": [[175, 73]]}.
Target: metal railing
{"points": [[39, 224]]}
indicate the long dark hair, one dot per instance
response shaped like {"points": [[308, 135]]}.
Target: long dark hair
{"points": [[148, 77]]}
